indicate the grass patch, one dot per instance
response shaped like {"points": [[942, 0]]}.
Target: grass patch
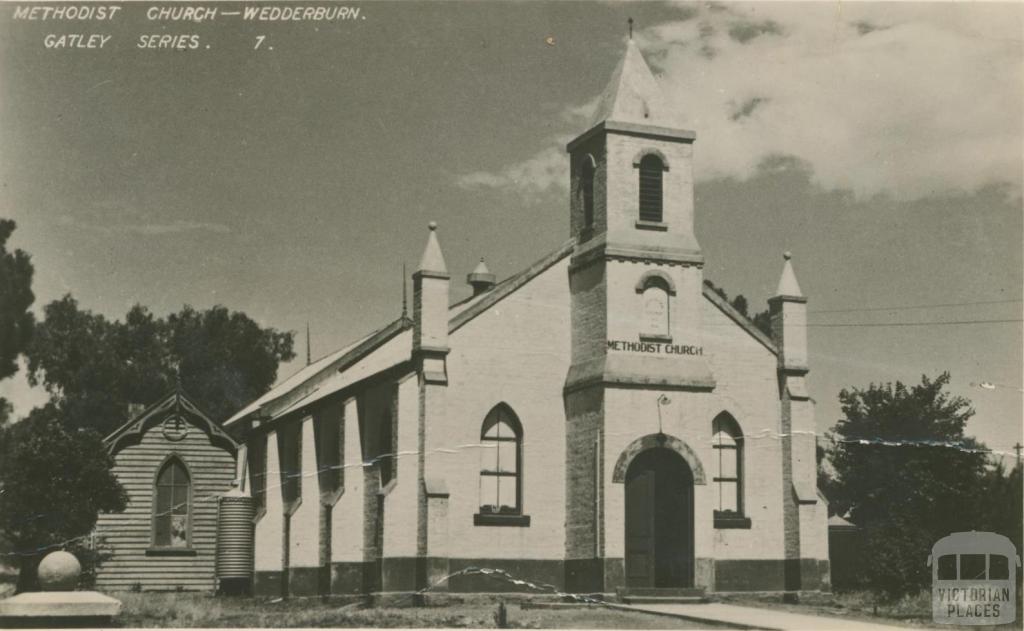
{"points": [[194, 610], [910, 611]]}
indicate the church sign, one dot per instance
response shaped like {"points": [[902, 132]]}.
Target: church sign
{"points": [[657, 348]]}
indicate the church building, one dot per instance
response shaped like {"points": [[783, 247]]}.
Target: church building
{"points": [[600, 422]]}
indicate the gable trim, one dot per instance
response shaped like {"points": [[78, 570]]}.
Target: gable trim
{"points": [[739, 319], [174, 402]]}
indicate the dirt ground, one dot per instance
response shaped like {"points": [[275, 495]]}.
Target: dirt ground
{"points": [[189, 610]]}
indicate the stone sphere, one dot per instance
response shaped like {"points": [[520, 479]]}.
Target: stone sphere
{"points": [[59, 572]]}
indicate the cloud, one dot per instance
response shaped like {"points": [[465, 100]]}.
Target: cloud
{"points": [[908, 101], [743, 31], [545, 171], [747, 108], [176, 227], [146, 229]]}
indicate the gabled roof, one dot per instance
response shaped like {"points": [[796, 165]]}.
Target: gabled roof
{"points": [[634, 96], [173, 403], [506, 287], [321, 378], [327, 375], [739, 319], [836, 522], [324, 367]]}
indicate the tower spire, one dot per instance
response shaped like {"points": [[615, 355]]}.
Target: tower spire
{"points": [[633, 95]]}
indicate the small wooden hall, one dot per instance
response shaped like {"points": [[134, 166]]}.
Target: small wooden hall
{"points": [[175, 464]]}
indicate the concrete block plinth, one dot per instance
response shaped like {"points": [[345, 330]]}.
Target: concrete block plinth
{"points": [[57, 609]]}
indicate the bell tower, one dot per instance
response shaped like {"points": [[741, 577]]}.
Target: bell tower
{"points": [[636, 274], [636, 286]]}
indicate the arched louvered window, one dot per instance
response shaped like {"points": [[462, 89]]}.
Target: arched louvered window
{"points": [[587, 190], [172, 506], [727, 443], [651, 170], [501, 489]]}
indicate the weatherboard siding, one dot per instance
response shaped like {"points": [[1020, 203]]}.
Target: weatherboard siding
{"points": [[129, 535]]}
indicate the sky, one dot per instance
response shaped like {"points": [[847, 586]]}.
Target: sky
{"points": [[880, 143]]}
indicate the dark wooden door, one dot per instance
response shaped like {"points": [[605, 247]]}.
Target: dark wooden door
{"points": [[640, 529], [659, 521]]}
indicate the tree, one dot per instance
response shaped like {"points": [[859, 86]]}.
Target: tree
{"points": [[762, 320], [54, 483], [225, 359], [1002, 511], [94, 368], [908, 475], [15, 299], [739, 303]]}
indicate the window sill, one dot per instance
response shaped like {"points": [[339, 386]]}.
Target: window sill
{"points": [[653, 337], [651, 225], [732, 521], [497, 519], [171, 552]]}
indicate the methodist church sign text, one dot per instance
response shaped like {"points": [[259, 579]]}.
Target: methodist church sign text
{"points": [[658, 348]]}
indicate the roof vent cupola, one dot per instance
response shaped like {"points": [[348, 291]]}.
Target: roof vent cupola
{"points": [[481, 278]]}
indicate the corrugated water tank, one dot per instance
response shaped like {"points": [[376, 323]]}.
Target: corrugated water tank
{"points": [[235, 542]]}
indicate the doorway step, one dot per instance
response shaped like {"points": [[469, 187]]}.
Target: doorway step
{"points": [[662, 595]]}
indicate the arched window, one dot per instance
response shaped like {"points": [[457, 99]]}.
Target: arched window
{"points": [[501, 490], [587, 190], [651, 169], [654, 306], [727, 443], [172, 508]]}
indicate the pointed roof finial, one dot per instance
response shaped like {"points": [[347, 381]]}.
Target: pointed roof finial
{"points": [[630, 20], [309, 353], [433, 260], [787, 282]]}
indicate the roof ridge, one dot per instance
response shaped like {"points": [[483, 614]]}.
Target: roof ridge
{"points": [[510, 285], [740, 319], [356, 350]]}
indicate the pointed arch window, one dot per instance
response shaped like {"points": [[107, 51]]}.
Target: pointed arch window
{"points": [[587, 190], [172, 508], [727, 444], [651, 170], [501, 479]]}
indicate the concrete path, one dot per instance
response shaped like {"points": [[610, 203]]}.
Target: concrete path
{"points": [[758, 618]]}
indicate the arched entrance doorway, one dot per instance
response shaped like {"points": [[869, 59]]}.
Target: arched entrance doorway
{"points": [[659, 520]]}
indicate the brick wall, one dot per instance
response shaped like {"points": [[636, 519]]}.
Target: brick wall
{"points": [[269, 529], [516, 352]]}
